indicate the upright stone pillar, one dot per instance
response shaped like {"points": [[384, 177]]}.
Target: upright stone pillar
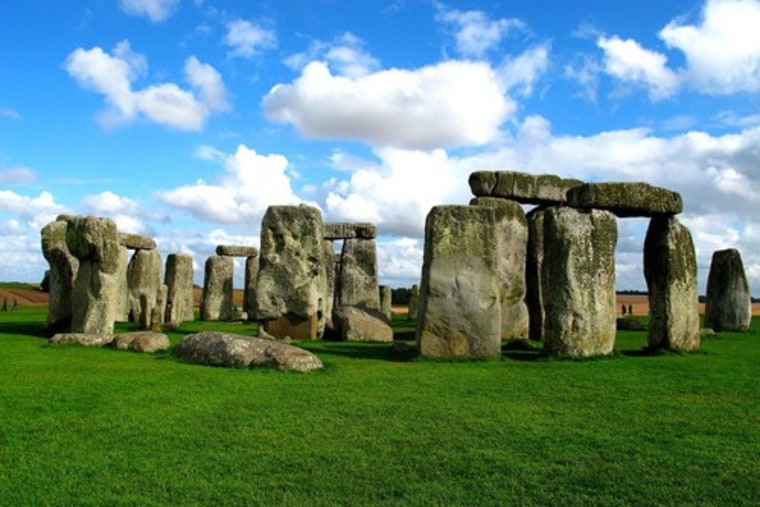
{"points": [[670, 269], [414, 298], [578, 282], [249, 287], [179, 288], [533, 268], [63, 273], [332, 263], [729, 304], [290, 288], [144, 281], [122, 305], [216, 297], [386, 305], [357, 275], [459, 313], [511, 246]]}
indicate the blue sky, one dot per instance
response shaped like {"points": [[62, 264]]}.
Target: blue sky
{"points": [[184, 119]]}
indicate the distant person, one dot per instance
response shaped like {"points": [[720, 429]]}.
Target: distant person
{"points": [[623, 310], [630, 309], [15, 305], [5, 304]]}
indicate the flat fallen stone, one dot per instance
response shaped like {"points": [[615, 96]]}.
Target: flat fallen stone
{"points": [[84, 339], [346, 230], [237, 251], [626, 199], [141, 341], [136, 242], [525, 188]]}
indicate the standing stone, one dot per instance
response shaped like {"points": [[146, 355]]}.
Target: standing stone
{"points": [[143, 280], [62, 274], [578, 282], [179, 287], [122, 304], [249, 286], [460, 313], [95, 242], [533, 266], [332, 263], [386, 306], [729, 304], [216, 296], [357, 275], [290, 288], [414, 298], [511, 246], [670, 269], [159, 308]]}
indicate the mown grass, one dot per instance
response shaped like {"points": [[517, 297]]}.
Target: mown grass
{"points": [[85, 426]]}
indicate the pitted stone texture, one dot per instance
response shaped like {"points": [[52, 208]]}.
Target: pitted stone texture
{"points": [[459, 311], [414, 301], [511, 246], [249, 287], [533, 268], [729, 304], [578, 282], [524, 188], [670, 269], [357, 275], [142, 341], [227, 349], [179, 289], [345, 230], [143, 280], [291, 277], [362, 324], [331, 258], [216, 296], [626, 199], [122, 303], [94, 239], [136, 242], [237, 251], [83, 339], [62, 273], [386, 305]]}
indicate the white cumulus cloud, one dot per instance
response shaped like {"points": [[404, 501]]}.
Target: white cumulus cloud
{"points": [[155, 10], [628, 61], [247, 39], [475, 33]]}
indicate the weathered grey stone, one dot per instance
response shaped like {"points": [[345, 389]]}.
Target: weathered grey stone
{"points": [[122, 291], [578, 282], [357, 275], [362, 324], [159, 309], [414, 299], [249, 287], [84, 339], [524, 188], [728, 306], [136, 242], [459, 312], [179, 287], [237, 251], [142, 341], [332, 264], [670, 269], [533, 272], [143, 280], [216, 296], [290, 287], [227, 349], [94, 241], [61, 275], [344, 230], [386, 305], [626, 199], [511, 245]]}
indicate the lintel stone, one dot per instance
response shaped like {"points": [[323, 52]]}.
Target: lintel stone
{"points": [[136, 242], [346, 230], [633, 199], [525, 188], [236, 251]]}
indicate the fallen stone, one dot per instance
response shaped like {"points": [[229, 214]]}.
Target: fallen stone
{"points": [[362, 324], [626, 199], [84, 339], [237, 251], [142, 341], [728, 304]]}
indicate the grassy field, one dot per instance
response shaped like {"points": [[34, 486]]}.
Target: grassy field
{"points": [[82, 426]]}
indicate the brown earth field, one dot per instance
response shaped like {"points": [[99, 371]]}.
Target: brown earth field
{"points": [[33, 296]]}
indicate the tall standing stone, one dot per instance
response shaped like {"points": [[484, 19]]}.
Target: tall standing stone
{"points": [[179, 287], [386, 305], [249, 286], [511, 245], [63, 273], [122, 304], [332, 262], [216, 296], [459, 313], [578, 282], [144, 281], [357, 284], [290, 288], [533, 267], [729, 304], [670, 269], [414, 302]]}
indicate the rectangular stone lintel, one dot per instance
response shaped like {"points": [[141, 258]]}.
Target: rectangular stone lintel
{"points": [[136, 242], [346, 230], [237, 251], [525, 188]]}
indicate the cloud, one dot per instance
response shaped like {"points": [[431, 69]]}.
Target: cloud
{"points": [[107, 203], [17, 175], [449, 104], [9, 113], [627, 61], [523, 71], [112, 75], [474, 32], [34, 212], [155, 10], [247, 39]]}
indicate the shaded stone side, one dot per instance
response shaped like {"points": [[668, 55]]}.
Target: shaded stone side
{"points": [[578, 282], [729, 304], [626, 199], [290, 287], [414, 301], [533, 267], [216, 296], [62, 274], [386, 306], [237, 251], [525, 188], [345, 230], [670, 269], [143, 281], [249, 286], [511, 245], [459, 311], [332, 263], [122, 304], [179, 289], [357, 275]]}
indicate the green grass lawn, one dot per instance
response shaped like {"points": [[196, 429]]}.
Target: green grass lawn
{"points": [[84, 426]]}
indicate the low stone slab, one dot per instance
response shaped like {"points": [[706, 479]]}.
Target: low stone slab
{"points": [[362, 324], [345, 230], [237, 251], [136, 242], [84, 339], [227, 349], [524, 188], [141, 341], [626, 199]]}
